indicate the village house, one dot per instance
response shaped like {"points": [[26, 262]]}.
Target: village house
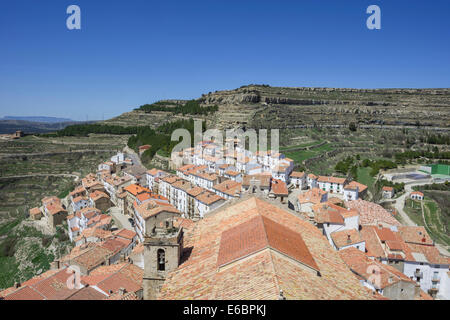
{"points": [[311, 180], [417, 195], [278, 190], [228, 189], [257, 183], [35, 214], [192, 203], [387, 192], [115, 185], [180, 196], [298, 179], [378, 277], [207, 201], [306, 200], [132, 191], [138, 174], [79, 203], [54, 211], [148, 210], [99, 200], [153, 177], [331, 184], [107, 166]]}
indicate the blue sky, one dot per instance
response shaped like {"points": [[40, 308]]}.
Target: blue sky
{"points": [[138, 51]]}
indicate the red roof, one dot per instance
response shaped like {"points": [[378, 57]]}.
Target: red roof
{"points": [[260, 233]]}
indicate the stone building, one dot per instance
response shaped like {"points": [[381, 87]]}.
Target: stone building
{"points": [[163, 246]]}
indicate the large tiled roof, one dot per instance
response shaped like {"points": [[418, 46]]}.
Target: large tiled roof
{"points": [[261, 274], [371, 213]]}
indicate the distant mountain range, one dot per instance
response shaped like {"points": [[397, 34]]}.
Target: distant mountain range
{"points": [[38, 119], [11, 126]]}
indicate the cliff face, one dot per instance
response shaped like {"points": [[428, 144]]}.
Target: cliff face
{"points": [[270, 107], [260, 106]]}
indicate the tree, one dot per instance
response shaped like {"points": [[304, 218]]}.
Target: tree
{"points": [[352, 126]]}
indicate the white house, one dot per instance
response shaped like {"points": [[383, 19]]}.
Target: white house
{"points": [[417, 195], [298, 179]]}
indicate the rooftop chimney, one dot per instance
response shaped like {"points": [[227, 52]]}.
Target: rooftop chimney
{"points": [[16, 285], [122, 291], [391, 279], [348, 239]]}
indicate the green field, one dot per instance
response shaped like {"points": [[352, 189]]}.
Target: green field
{"points": [[301, 155]]}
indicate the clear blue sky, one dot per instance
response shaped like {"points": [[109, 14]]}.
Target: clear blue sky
{"points": [[133, 52]]}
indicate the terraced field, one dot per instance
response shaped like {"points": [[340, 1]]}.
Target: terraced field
{"points": [[31, 168]]}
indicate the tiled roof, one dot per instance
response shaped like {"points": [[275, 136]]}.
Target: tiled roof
{"points": [[417, 193], [371, 213], [431, 253], [361, 264], [87, 293], [229, 187], [352, 186], [331, 179], [297, 174], [112, 278], [259, 233], [385, 188], [413, 234], [93, 257], [151, 208], [125, 233], [208, 198], [51, 287], [195, 191], [346, 237], [279, 187], [373, 244], [314, 195], [263, 274], [135, 189], [97, 195]]}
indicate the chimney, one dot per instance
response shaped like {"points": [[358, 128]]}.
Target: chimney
{"points": [[348, 239], [122, 257], [16, 285], [122, 291], [391, 279], [417, 290]]}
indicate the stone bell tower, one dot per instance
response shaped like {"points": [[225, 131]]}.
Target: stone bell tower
{"points": [[163, 246]]}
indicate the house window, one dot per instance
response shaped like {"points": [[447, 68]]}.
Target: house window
{"points": [[161, 260]]}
